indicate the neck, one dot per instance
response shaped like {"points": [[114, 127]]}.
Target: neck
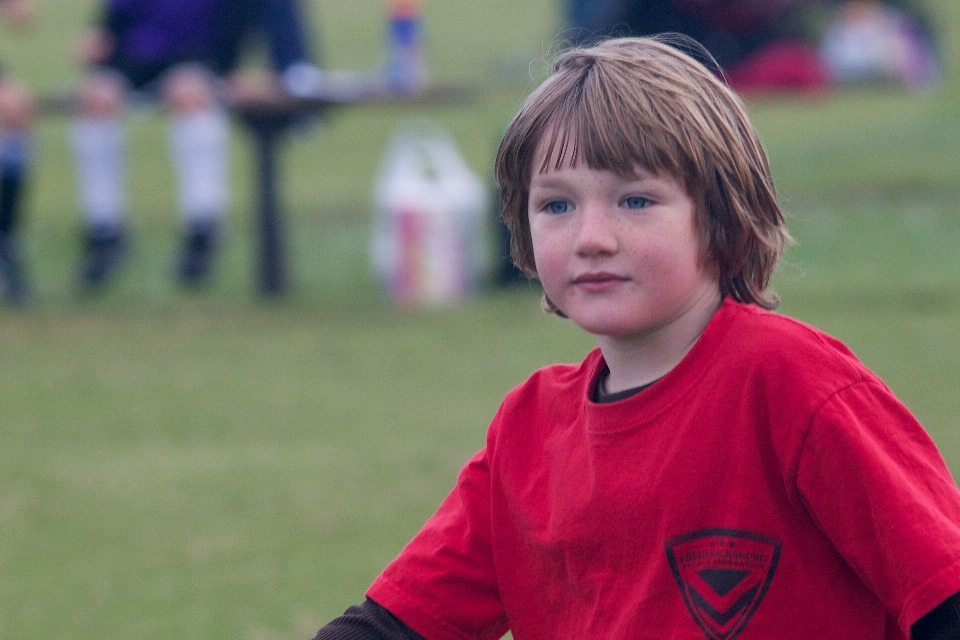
{"points": [[635, 361]]}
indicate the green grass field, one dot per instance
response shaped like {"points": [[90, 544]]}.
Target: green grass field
{"points": [[213, 466]]}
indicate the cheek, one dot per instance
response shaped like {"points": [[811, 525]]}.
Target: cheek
{"points": [[540, 258], [547, 256], [529, 248], [537, 250]]}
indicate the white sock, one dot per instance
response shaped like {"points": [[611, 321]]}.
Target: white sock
{"points": [[199, 146], [99, 149]]}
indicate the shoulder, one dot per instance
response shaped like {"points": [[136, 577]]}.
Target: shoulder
{"points": [[778, 341], [556, 381], [549, 405], [551, 396], [781, 357]]}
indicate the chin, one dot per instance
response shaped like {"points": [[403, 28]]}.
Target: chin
{"points": [[605, 328]]}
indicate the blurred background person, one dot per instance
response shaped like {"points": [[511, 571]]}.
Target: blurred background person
{"points": [[765, 46], [16, 119], [173, 51], [868, 41], [279, 25], [760, 45], [161, 49]]}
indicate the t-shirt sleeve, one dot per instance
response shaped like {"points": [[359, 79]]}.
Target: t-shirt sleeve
{"points": [[879, 489], [443, 584]]}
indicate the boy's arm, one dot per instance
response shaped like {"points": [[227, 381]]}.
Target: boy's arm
{"points": [[368, 621], [943, 623], [866, 454]]}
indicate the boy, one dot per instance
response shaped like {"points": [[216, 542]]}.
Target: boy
{"points": [[713, 469]]}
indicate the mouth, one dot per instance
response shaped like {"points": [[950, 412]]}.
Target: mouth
{"points": [[599, 276], [598, 281]]}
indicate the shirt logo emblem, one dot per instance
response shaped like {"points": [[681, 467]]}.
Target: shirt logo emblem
{"points": [[723, 575]]}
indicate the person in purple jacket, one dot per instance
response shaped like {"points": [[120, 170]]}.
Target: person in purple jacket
{"points": [[174, 51]]}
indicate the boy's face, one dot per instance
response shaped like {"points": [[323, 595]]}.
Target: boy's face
{"points": [[619, 255]]}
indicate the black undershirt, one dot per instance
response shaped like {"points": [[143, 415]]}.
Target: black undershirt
{"points": [[601, 396]]}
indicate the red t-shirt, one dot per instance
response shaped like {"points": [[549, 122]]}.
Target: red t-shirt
{"points": [[769, 486]]}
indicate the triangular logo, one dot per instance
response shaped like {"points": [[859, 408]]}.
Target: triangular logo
{"points": [[723, 575]]}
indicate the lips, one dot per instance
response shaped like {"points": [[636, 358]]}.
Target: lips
{"points": [[601, 276], [598, 281]]}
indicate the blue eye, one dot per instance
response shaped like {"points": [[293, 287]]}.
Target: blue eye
{"points": [[636, 202], [557, 206]]}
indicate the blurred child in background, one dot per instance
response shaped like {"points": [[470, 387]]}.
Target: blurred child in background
{"points": [[174, 51], [163, 48], [16, 119]]}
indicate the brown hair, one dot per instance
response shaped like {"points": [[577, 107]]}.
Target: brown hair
{"points": [[642, 101]]}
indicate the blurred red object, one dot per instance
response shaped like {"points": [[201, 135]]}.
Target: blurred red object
{"points": [[788, 66]]}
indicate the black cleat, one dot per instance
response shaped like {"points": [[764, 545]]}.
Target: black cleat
{"points": [[200, 243], [105, 249]]}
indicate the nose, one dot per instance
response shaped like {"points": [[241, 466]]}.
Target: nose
{"points": [[596, 231]]}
